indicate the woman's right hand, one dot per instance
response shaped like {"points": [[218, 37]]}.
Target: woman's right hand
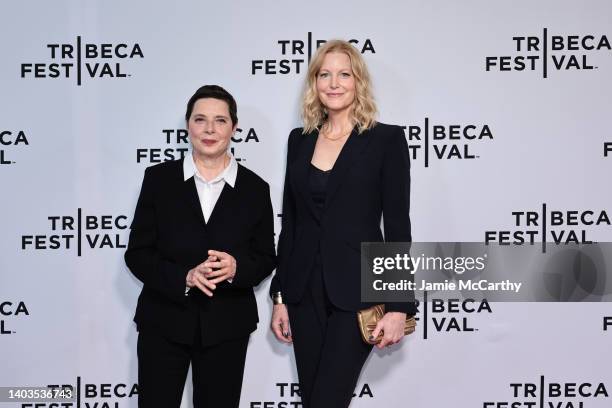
{"points": [[196, 277], [280, 324]]}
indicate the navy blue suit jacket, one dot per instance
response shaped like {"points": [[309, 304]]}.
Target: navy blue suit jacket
{"points": [[169, 237], [370, 179]]}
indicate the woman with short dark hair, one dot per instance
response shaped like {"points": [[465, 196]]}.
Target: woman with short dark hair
{"points": [[199, 251]]}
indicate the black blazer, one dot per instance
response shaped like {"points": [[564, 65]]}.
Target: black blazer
{"points": [[169, 237], [370, 178]]}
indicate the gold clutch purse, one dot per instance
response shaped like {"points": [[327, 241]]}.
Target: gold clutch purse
{"points": [[368, 319]]}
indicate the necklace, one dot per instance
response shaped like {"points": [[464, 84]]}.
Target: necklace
{"points": [[333, 139]]}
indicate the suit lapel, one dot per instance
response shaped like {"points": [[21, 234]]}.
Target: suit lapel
{"points": [[224, 208], [353, 147], [300, 169], [190, 194]]}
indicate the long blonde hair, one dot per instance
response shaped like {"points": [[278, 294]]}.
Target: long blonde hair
{"points": [[364, 108]]}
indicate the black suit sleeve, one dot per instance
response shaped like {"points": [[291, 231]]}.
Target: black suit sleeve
{"points": [[254, 265], [285, 239], [396, 200], [142, 256]]}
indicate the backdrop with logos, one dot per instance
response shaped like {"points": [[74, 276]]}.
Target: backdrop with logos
{"points": [[506, 107]]}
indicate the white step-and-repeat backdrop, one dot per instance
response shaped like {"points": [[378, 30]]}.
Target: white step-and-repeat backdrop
{"points": [[507, 109]]}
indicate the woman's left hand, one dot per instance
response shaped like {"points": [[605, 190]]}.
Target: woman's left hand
{"points": [[392, 325], [223, 266]]}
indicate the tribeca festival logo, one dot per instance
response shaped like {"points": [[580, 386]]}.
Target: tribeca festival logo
{"points": [[90, 395], [552, 395], [106, 395], [442, 316], [289, 396], [432, 141], [296, 54], [550, 52], [68, 232], [81, 61], [152, 155], [556, 226], [180, 137], [13, 140], [11, 310]]}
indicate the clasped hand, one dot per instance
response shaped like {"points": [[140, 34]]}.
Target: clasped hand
{"points": [[392, 325], [219, 266]]}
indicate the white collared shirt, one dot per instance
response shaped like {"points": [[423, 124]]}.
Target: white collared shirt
{"points": [[209, 191]]}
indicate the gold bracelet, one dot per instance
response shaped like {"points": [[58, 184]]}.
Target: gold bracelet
{"points": [[277, 298]]}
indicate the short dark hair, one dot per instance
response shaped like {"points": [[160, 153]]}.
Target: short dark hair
{"points": [[216, 92]]}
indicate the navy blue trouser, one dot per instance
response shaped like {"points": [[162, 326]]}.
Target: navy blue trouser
{"points": [[329, 351]]}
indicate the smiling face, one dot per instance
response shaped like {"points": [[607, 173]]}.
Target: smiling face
{"points": [[336, 82], [210, 127]]}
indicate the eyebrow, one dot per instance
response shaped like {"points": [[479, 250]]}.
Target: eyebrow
{"points": [[195, 115], [340, 70]]}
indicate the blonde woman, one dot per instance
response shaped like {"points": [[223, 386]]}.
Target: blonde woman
{"points": [[344, 171]]}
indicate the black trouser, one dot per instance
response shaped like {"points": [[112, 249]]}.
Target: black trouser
{"points": [[329, 351], [217, 372]]}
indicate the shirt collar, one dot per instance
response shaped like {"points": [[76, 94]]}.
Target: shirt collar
{"points": [[229, 174]]}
